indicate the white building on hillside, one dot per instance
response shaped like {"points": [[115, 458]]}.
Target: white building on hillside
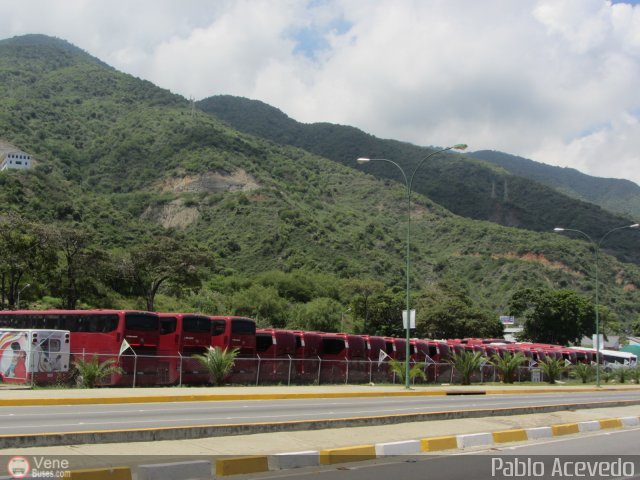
{"points": [[15, 159]]}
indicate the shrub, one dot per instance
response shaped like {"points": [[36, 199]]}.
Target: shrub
{"points": [[553, 368], [465, 364], [583, 371], [92, 371], [218, 362], [508, 365], [399, 369]]}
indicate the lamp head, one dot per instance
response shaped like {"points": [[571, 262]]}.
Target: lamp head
{"points": [[635, 225], [363, 160], [558, 229], [460, 146]]}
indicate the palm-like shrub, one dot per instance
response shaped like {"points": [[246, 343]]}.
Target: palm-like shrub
{"points": [[508, 365], [553, 368], [218, 362], [583, 371], [623, 373], [92, 371], [634, 373], [399, 369], [465, 364]]}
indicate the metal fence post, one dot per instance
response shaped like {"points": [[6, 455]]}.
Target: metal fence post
{"points": [[258, 371], [180, 377], [319, 368], [289, 378], [135, 369]]}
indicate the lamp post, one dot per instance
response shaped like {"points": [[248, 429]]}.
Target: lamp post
{"points": [[18, 296], [409, 183], [596, 246]]}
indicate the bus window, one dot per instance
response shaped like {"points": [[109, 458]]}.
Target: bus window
{"points": [[243, 326], [195, 324], [168, 325], [218, 327], [136, 321], [332, 346]]}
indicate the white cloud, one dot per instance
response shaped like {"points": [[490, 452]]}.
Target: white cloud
{"points": [[552, 80]]}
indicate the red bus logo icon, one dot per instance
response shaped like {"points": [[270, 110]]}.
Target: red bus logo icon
{"points": [[18, 467]]}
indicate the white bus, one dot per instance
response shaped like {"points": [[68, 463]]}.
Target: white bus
{"points": [[33, 355]]}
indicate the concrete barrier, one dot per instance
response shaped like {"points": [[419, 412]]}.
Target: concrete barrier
{"points": [[515, 435], [196, 470], [408, 447], [436, 444], [589, 426], [347, 454], [564, 429], [611, 423], [115, 473], [535, 433], [475, 440], [240, 465], [286, 461], [630, 421]]}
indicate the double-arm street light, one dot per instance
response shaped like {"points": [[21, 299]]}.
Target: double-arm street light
{"points": [[596, 246], [409, 183]]}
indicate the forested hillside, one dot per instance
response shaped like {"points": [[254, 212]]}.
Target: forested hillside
{"points": [[619, 196], [137, 197], [464, 185]]}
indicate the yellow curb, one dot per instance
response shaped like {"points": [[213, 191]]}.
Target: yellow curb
{"points": [[515, 435], [347, 454], [435, 444], [240, 465], [565, 429], [115, 473], [611, 423]]}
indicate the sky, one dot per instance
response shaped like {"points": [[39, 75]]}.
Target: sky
{"points": [[556, 81]]}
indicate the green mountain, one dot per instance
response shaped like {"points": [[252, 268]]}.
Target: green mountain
{"points": [[464, 185], [618, 196], [131, 162]]}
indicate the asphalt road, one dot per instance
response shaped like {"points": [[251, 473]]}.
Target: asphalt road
{"points": [[595, 455], [46, 419]]}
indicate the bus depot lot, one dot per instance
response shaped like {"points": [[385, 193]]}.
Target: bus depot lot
{"points": [[265, 444]]}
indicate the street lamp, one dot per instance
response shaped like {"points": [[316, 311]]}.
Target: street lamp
{"points": [[409, 183], [596, 246], [18, 297]]}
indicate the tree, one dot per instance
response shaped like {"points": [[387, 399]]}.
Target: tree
{"points": [[162, 261], [508, 364], [92, 371], [26, 251], [553, 316], [218, 362], [322, 314], [398, 369], [465, 364], [553, 368], [450, 313], [264, 304], [385, 314], [363, 289], [80, 265]]}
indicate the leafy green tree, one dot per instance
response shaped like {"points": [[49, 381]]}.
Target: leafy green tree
{"points": [[398, 369], [363, 290], [90, 372], [322, 314], [218, 362], [449, 312], [553, 368], [385, 313], [635, 327], [465, 364], [26, 251], [264, 304], [553, 316], [508, 365], [584, 371], [162, 261]]}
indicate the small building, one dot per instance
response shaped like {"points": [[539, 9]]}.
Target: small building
{"points": [[11, 157], [15, 159]]}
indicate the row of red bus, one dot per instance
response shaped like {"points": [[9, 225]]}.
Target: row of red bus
{"points": [[158, 348]]}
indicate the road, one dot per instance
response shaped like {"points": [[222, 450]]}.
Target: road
{"points": [[46, 419], [583, 456]]}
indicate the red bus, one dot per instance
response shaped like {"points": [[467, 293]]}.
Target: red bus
{"points": [[104, 333], [234, 332], [275, 350], [344, 358], [181, 337], [307, 356], [396, 348]]}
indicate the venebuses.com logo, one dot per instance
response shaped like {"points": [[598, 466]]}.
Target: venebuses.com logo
{"points": [[18, 467]]}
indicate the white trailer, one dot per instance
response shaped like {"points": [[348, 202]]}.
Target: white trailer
{"points": [[33, 355]]}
